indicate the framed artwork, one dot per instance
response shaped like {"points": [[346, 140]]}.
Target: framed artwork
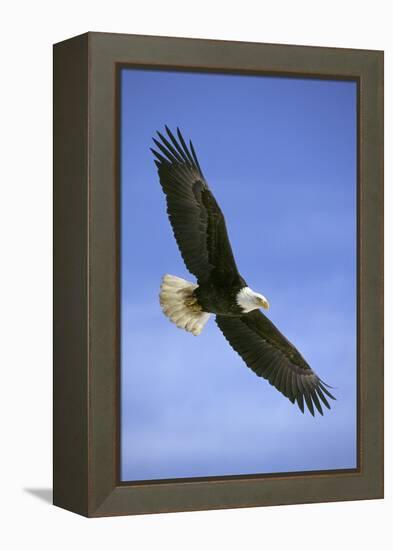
{"points": [[218, 274]]}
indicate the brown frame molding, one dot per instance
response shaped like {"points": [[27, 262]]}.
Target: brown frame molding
{"points": [[86, 274]]}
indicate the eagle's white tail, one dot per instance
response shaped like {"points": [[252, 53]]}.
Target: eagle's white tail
{"points": [[180, 305]]}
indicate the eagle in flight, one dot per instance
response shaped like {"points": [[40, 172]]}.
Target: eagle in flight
{"points": [[201, 235]]}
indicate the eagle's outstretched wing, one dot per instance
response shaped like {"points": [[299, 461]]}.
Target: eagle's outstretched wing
{"points": [[270, 355], [197, 221]]}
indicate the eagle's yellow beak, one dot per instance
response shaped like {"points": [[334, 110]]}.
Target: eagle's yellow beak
{"points": [[264, 303]]}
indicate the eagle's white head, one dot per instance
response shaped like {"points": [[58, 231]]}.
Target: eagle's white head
{"points": [[248, 300]]}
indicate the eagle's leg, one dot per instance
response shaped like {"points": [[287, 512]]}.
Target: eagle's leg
{"points": [[191, 302]]}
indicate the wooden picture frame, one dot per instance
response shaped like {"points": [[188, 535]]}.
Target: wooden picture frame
{"points": [[86, 275]]}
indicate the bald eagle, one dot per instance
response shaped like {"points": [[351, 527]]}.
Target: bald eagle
{"points": [[201, 235]]}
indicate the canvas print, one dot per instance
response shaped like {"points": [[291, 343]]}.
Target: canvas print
{"points": [[238, 274]]}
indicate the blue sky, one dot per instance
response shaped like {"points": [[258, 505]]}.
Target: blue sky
{"points": [[280, 157]]}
